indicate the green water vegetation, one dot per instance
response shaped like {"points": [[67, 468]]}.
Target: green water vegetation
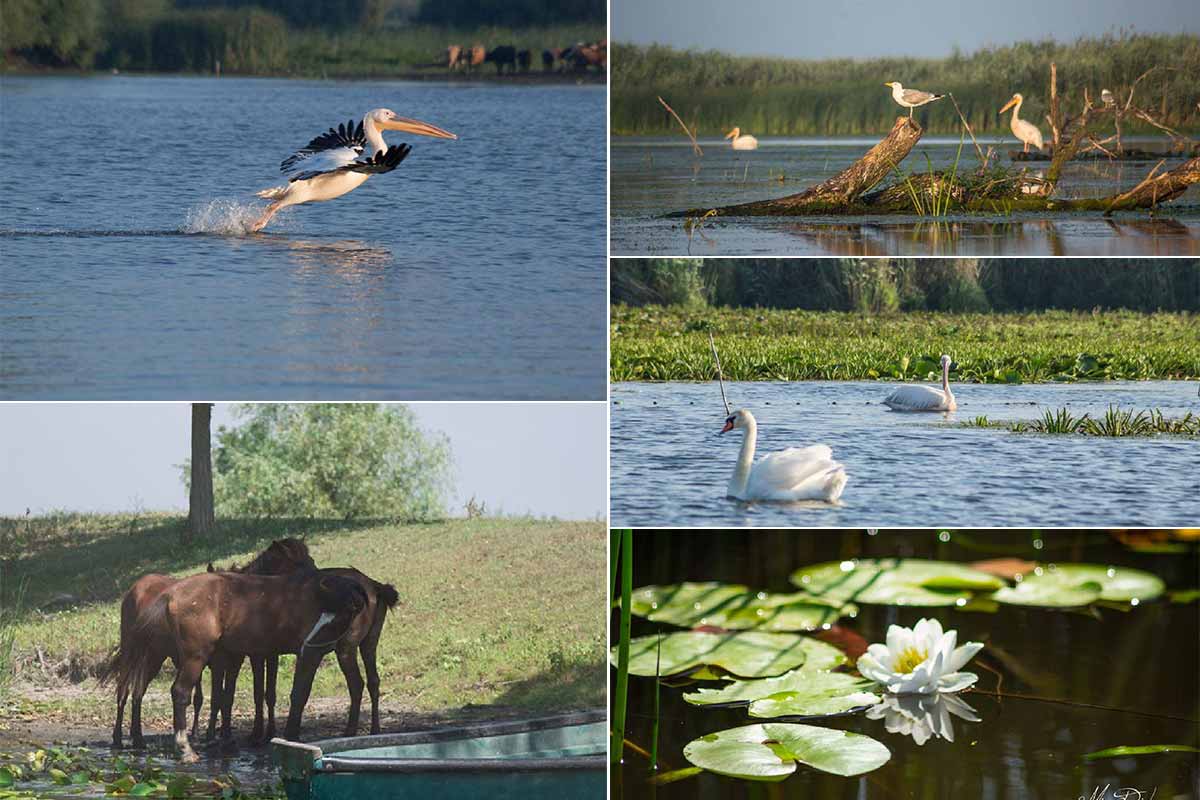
{"points": [[466, 631], [773, 751], [67, 772], [343, 38], [736, 607], [1124, 751], [1115, 422], [714, 91]]}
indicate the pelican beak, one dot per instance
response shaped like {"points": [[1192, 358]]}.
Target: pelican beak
{"points": [[728, 426], [417, 127], [729, 135], [1009, 105]]}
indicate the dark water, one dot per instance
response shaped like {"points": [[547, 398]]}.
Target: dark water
{"points": [[1069, 683], [476, 270], [654, 176], [670, 466]]}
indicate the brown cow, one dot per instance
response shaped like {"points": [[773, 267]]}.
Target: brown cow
{"points": [[477, 55], [454, 57]]}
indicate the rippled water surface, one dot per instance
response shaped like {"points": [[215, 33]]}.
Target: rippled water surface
{"points": [[1053, 684], [670, 466], [655, 176], [475, 270]]}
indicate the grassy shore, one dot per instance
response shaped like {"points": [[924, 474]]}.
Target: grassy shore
{"points": [[492, 611], [660, 343]]}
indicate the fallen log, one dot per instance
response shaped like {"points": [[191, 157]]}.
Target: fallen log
{"points": [[843, 189], [1157, 189]]}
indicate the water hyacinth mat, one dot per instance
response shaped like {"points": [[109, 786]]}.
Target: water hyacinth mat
{"points": [[907, 663]]}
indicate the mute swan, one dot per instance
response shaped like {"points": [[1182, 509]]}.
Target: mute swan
{"points": [[1026, 132], [742, 141], [798, 473], [924, 398]]}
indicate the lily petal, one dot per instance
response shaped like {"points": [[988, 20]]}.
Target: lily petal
{"points": [[956, 681], [963, 654]]}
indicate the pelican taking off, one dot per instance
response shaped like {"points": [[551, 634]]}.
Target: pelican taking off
{"points": [[341, 159], [911, 98], [1026, 132], [740, 141]]}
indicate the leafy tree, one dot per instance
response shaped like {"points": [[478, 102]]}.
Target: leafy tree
{"points": [[334, 460]]}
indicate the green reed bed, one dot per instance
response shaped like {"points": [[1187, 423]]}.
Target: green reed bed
{"points": [[657, 343], [1114, 422]]}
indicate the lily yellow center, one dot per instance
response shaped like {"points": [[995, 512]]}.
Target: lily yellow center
{"points": [[909, 659]]}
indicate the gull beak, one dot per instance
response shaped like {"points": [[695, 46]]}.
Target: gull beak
{"points": [[889, 83], [728, 426], [417, 127], [1008, 105]]}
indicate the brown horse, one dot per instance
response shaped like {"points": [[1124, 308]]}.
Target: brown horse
{"points": [[201, 617], [265, 669], [282, 556]]}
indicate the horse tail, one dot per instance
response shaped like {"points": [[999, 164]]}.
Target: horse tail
{"points": [[135, 654], [386, 594]]}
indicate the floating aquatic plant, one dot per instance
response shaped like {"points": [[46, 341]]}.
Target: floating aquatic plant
{"points": [[922, 659], [749, 654], [772, 751], [894, 581], [1070, 585], [803, 692], [736, 607], [1124, 751]]}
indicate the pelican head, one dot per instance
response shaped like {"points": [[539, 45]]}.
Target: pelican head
{"points": [[387, 119], [733, 134], [947, 363], [1015, 101]]}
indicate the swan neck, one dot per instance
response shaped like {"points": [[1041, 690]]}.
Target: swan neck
{"points": [[741, 472]]}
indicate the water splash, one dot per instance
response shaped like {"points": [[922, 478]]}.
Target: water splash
{"points": [[223, 217]]}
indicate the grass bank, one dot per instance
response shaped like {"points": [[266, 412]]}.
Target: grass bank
{"points": [[659, 343], [714, 91], [492, 611]]}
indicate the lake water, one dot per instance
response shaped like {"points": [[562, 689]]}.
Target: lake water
{"points": [[1069, 683], [474, 271], [669, 465], [655, 176]]}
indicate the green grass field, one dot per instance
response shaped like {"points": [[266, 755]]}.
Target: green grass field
{"points": [[492, 611], [660, 343]]}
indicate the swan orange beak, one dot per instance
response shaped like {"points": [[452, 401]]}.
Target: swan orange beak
{"points": [[418, 127], [728, 426]]}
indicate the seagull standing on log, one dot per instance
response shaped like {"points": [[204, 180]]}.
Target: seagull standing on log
{"points": [[341, 159], [911, 98]]}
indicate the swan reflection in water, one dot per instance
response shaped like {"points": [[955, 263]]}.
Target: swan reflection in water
{"points": [[922, 716]]}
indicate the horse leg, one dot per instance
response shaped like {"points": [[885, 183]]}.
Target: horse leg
{"points": [[216, 679], [197, 704], [258, 672], [272, 676], [122, 697], [135, 712], [367, 647], [232, 669], [306, 669], [191, 669], [348, 660]]}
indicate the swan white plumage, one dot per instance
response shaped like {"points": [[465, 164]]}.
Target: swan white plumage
{"points": [[798, 473], [742, 141], [924, 398]]}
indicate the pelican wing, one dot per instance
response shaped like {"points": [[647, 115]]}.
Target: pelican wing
{"points": [[917, 97], [336, 146], [916, 398], [383, 161]]}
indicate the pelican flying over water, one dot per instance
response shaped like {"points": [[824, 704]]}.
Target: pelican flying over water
{"points": [[1025, 132], [911, 98], [742, 141], [341, 159]]}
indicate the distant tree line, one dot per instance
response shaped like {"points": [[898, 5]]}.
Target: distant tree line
{"points": [[255, 36], [883, 285]]}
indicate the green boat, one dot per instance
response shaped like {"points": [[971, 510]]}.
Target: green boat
{"points": [[549, 757]]}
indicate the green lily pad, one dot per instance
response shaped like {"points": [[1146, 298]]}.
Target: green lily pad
{"points": [[799, 693], [749, 654], [735, 607], [1139, 750], [894, 581], [6, 777], [770, 751], [1070, 585]]}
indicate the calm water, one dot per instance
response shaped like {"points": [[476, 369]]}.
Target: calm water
{"points": [[654, 176], [1101, 680], [476, 270], [669, 466]]}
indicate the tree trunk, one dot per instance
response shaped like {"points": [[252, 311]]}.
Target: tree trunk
{"points": [[201, 519], [844, 188], [1157, 189]]}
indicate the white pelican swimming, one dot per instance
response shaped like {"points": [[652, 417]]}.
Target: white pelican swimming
{"points": [[911, 98], [808, 473], [742, 141], [1026, 132], [924, 398], [341, 159]]}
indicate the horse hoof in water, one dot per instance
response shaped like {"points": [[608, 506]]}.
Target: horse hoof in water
{"points": [[189, 758]]}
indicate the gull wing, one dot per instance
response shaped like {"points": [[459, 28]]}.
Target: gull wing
{"points": [[917, 97]]}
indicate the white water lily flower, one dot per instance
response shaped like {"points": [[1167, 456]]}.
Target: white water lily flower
{"points": [[919, 660], [922, 716]]}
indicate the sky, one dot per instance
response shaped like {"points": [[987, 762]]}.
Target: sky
{"points": [[547, 459], [807, 29]]}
